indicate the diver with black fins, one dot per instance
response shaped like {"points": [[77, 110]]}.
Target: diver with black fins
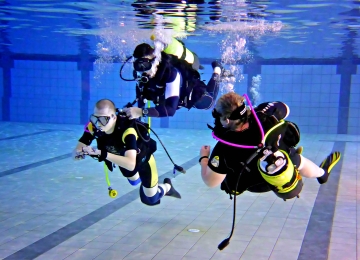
{"points": [[170, 82], [127, 144], [256, 151]]}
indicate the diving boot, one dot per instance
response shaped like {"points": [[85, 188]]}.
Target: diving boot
{"points": [[172, 192], [215, 64], [224, 73], [327, 166]]}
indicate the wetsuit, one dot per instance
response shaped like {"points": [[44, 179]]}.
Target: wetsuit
{"points": [[125, 138], [166, 90], [226, 159]]}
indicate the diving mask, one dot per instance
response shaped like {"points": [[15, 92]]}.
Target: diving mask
{"points": [[103, 120], [143, 64], [238, 113]]}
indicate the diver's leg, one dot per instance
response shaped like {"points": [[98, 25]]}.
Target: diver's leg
{"points": [[327, 164], [214, 83], [196, 65], [150, 191], [310, 170], [134, 179]]}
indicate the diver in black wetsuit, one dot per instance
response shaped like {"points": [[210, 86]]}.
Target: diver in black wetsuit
{"points": [[119, 143], [170, 84]]}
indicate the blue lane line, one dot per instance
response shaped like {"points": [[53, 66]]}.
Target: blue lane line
{"points": [[45, 244], [317, 236], [33, 165]]}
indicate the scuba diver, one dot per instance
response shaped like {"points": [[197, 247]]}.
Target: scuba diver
{"points": [[238, 131], [256, 152], [120, 142], [170, 83]]}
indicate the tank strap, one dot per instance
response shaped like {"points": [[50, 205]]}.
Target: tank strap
{"points": [[293, 178]]}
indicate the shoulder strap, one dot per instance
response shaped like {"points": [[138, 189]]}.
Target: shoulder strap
{"points": [[129, 131]]}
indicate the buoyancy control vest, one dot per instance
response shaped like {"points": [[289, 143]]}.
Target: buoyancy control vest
{"points": [[145, 144]]}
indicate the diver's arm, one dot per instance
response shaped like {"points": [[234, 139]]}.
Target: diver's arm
{"points": [[77, 153], [172, 97], [79, 146], [209, 177], [128, 161], [168, 109], [84, 141]]}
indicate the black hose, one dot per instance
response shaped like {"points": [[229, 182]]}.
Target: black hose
{"points": [[121, 68], [226, 241], [176, 167]]}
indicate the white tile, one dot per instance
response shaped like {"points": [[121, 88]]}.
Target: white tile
{"points": [[264, 223]]}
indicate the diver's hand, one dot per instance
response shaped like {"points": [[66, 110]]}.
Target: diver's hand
{"points": [[205, 150], [78, 155], [133, 112], [88, 150]]}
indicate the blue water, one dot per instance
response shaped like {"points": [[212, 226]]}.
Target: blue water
{"points": [[58, 58]]}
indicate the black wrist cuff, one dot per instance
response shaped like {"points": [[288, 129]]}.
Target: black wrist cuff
{"points": [[202, 157], [103, 155]]}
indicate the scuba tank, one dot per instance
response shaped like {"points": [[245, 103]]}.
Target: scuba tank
{"points": [[278, 170], [275, 165], [178, 49]]}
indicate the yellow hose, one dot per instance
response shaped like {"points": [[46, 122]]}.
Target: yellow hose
{"points": [[106, 174]]}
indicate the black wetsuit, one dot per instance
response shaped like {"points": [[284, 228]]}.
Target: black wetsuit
{"points": [[163, 90], [226, 159], [126, 138], [167, 91]]}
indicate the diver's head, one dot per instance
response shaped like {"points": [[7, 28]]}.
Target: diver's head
{"points": [[145, 60], [231, 110], [104, 117]]}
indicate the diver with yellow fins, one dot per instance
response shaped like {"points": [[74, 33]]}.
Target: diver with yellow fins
{"points": [[256, 151], [263, 135], [168, 76]]}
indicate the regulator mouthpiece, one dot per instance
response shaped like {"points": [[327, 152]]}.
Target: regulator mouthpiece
{"points": [[224, 244], [179, 168]]}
